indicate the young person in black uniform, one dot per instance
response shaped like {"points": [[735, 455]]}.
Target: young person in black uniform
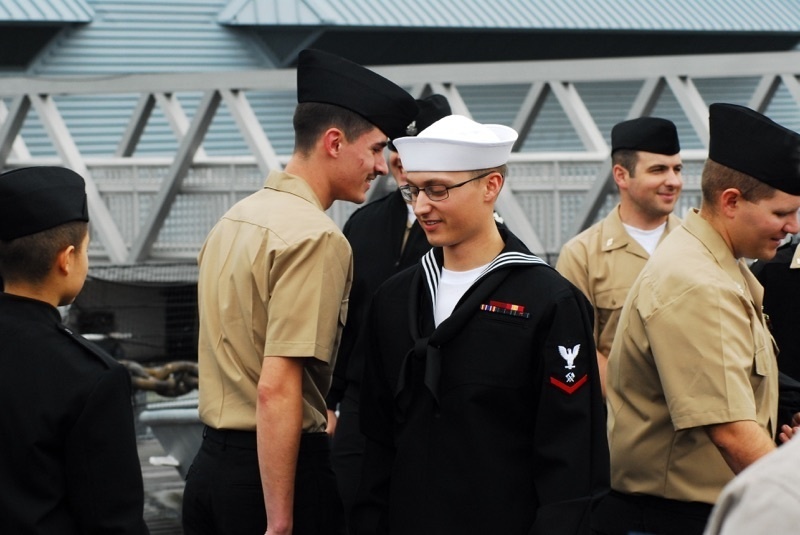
{"points": [[780, 278], [386, 239], [69, 462], [480, 399]]}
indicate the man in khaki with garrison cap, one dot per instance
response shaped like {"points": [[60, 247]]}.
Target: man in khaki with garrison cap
{"points": [[692, 386], [275, 273], [605, 259]]}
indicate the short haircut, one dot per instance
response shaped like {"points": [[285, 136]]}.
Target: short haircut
{"points": [[30, 258], [716, 178], [502, 169], [311, 119], [627, 158]]}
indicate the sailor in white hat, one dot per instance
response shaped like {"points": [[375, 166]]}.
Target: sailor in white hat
{"points": [[480, 400], [451, 153]]}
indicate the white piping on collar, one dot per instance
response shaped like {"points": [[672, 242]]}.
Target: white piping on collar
{"points": [[433, 271]]}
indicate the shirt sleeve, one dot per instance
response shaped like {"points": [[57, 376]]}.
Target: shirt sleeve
{"points": [[570, 441], [349, 334], [703, 346], [573, 264], [309, 283]]}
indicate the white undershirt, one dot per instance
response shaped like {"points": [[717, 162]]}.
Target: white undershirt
{"points": [[648, 239], [452, 286]]}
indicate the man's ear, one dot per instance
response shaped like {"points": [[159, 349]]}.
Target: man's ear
{"points": [[494, 183], [332, 141], [729, 201], [64, 259], [620, 175]]}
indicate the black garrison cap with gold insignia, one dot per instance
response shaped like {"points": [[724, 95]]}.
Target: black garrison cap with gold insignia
{"points": [[648, 134], [431, 109], [327, 78], [33, 199], [755, 145]]}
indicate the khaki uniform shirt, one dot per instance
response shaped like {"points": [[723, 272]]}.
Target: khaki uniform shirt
{"points": [[275, 274], [692, 349], [603, 261]]}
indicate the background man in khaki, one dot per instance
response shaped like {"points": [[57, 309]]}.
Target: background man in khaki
{"points": [[604, 260], [275, 273], [692, 377]]}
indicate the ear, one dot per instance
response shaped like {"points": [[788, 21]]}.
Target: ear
{"points": [[729, 201], [398, 162], [494, 183], [64, 260], [332, 141], [620, 175]]}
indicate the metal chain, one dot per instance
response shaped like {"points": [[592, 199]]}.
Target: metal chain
{"points": [[172, 379]]}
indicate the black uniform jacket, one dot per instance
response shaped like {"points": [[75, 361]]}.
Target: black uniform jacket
{"points": [[782, 305], [491, 423], [68, 459], [375, 233]]}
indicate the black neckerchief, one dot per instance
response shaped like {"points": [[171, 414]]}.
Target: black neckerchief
{"points": [[425, 358]]}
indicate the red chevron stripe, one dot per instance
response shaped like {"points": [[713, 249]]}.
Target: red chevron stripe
{"points": [[569, 389]]}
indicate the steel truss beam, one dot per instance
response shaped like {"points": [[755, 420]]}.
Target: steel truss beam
{"points": [[543, 78]]}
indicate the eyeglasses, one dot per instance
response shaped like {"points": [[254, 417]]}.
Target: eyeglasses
{"points": [[436, 192]]}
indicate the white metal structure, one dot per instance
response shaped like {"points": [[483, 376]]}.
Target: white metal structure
{"points": [[160, 208]]}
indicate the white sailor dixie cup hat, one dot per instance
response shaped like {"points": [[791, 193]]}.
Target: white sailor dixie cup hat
{"points": [[456, 143]]}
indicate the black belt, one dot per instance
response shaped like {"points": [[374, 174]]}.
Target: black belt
{"points": [[309, 442], [664, 504]]}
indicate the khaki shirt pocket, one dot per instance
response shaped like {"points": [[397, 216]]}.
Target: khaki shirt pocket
{"points": [[607, 309], [764, 348], [762, 361]]}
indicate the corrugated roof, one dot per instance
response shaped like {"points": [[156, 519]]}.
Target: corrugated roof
{"points": [[145, 36], [263, 11], [184, 35], [608, 15], [45, 11], [149, 36]]}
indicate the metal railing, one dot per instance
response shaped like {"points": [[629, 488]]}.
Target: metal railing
{"points": [[160, 208]]}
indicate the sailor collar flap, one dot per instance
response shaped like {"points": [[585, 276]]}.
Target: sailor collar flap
{"points": [[514, 253], [427, 350]]}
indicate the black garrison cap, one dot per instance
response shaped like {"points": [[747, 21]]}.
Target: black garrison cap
{"points": [[33, 199], [648, 134], [327, 78], [431, 109], [751, 143]]}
